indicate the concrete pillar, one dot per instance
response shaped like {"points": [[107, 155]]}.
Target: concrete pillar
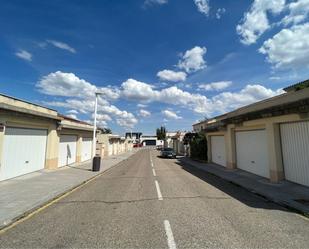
{"points": [[230, 147], [52, 148], [274, 152], [79, 146], [2, 128]]}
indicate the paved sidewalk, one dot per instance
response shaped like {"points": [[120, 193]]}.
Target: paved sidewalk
{"points": [[21, 195], [288, 194]]}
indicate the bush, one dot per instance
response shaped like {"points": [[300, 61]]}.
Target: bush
{"points": [[198, 147]]}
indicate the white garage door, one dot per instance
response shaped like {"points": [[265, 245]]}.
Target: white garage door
{"points": [[23, 151], [86, 148], [295, 151], [218, 150], [251, 152], [67, 150]]}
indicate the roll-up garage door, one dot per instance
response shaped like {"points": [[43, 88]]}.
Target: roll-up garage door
{"points": [[218, 150], [67, 150], [251, 152], [23, 151], [86, 149], [295, 151]]}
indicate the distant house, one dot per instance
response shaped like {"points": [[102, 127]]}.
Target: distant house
{"points": [[269, 138]]}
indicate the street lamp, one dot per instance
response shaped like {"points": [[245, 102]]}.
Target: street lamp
{"points": [[94, 140]]}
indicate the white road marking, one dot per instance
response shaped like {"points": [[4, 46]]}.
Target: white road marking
{"points": [[154, 172], [158, 191], [169, 233], [151, 164]]}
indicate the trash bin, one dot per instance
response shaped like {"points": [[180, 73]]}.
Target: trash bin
{"points": [[96, 163]]}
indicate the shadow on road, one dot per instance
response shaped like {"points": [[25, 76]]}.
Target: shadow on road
{"points": [[237, 192]]}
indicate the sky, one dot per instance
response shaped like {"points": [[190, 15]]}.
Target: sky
{"points": [[155, 62]]}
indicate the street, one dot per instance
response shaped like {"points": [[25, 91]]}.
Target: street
{"points": [[149, 202]]}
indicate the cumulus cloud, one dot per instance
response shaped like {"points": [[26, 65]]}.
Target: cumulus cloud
{"points": [[173, 76], [202, 6], [144, 113], [72, 116], [215, 86], [170, 114], [220, 12], [228, 101], [80, 96], [255, 22], [193, 59], [62, 45], [65, 84], [289, 48], [23, 54], [299, 11]]}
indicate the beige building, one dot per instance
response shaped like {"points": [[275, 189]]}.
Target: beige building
{"points": [[114, 144], [178, 143], [269, 138], [33, 137]]}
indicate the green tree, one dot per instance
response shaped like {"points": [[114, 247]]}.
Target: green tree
{"points": [[161, 133], [198, 146]]}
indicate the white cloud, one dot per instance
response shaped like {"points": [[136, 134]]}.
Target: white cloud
{"points": [[173, 76], [65, 84], [220, 12], [228, 101], [289, 48], [193, 60], [141, 105], [25, 55], [154, 2], [81, 97], [62, 45], [299, 11], [144, 113], [72, 111], [215, 86], [170, 114], [202, 6], [255, 22], [140, 91], [72, 116]]}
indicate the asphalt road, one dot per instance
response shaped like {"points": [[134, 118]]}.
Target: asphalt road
{"points": [[185, 208]]}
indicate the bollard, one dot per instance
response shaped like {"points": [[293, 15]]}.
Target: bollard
{"points": [[96, 163]]}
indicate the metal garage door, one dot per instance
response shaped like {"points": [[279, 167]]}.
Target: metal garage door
{"points": [[23, 151], [295, 151], [67, 150], [218, 150], [86, 148], [251, 152]]}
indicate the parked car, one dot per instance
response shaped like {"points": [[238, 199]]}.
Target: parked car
{"points": [[168, 153]]}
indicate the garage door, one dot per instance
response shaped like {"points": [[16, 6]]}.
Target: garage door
{"points": [[23, 151], [218, 150], [295, 152], [67, 150], [251, 152], [86, 149]]}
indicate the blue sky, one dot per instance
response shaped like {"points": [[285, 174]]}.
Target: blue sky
{"points": [[169, 62]]}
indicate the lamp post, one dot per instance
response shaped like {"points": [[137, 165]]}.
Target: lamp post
{"points": [[94, 140]]}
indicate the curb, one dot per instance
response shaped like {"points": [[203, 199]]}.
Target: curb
{"points": [[38, 208], [286, 204]]}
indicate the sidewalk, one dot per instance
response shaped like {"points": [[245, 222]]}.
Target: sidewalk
{"points": [[21, 195], [287, 194]]}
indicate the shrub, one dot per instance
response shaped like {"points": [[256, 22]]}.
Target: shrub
{"points": [[198, 147]]}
